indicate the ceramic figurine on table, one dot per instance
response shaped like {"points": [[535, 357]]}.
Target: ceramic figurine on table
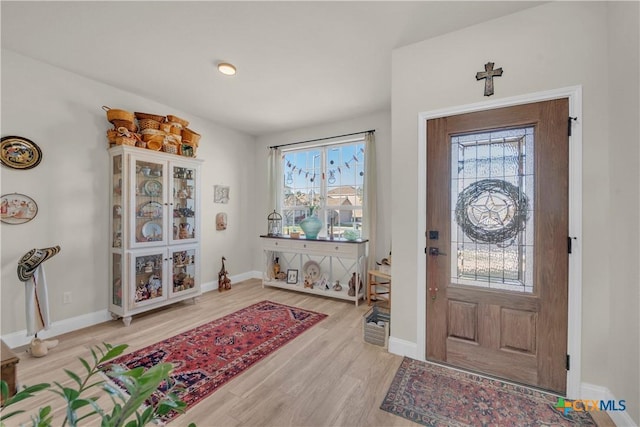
{"points": [[307, 282], [352, 286], [276, 267], [224, 283]]}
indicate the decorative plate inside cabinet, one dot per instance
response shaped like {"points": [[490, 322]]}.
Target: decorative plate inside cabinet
{"points": [[151, 231], [150, 210], [153, 188]]}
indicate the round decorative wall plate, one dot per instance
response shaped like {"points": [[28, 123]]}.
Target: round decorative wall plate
{"points": [[17, 208], [17, 152], [312, 269]]}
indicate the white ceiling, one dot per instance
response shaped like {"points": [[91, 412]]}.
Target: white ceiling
{"points": [[299, 63]]}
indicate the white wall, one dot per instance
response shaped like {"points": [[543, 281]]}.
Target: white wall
{"points": [[624, 253], [552, 46], [60, 112], [381, 122]]}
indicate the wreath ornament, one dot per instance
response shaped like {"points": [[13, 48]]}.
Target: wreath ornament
{"points": [[492, 211]]}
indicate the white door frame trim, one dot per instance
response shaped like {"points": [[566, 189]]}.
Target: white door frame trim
{"points": [[574, 337]]}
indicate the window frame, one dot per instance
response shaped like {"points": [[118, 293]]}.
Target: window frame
{"points": [[324, 188]]}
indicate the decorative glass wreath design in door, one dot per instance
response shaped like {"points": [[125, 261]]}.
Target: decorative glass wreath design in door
{"points": [[492, 207]]}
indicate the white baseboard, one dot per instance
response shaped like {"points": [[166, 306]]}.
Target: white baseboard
{"points": [[596, 392], [403, 347], [20, 338]]}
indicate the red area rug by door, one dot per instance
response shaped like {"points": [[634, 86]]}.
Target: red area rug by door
{"points": [[208, 356], [434, 395]]}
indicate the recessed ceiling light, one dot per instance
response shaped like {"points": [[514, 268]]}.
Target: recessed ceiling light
{"points": [[226, 68]]}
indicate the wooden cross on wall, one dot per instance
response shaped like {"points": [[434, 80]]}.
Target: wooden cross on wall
{"points": [[489, 73]]}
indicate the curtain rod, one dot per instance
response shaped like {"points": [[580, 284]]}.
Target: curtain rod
{"points": [[322, 139]]}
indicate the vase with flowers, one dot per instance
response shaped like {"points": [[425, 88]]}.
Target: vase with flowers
{"points": [[312, 225]]}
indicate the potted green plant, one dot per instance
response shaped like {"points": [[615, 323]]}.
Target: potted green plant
{"points": [[130, 409]]}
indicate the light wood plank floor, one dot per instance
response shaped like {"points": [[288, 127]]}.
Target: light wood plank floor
{"points": [[325, 377]]}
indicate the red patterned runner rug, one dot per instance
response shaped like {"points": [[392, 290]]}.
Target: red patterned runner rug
{"points": [[206, 357], [434, 395]]}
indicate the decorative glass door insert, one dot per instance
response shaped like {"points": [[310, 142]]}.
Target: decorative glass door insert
{"points": [[492, 209]]}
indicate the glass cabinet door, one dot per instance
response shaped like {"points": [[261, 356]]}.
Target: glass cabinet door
{"points": [[148, 275], [183, 203], [184, 263], [116, 285], [148, 203], [116, 201]]}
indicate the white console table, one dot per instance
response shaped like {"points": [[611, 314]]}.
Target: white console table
{"points": [[338, 259]]}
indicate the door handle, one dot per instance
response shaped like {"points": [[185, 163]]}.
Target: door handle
{"points": [[433, 291], [435, 251]]}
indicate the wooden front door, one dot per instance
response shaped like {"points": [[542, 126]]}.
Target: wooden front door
{"points": [[497, 230]]}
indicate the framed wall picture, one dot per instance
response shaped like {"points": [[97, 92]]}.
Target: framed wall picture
{"points": [[221, 221], [17, 152], [292, 276], [17, 208], [220, 194]]}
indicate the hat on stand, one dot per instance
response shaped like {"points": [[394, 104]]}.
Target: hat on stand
{"points": [[32, 259]]}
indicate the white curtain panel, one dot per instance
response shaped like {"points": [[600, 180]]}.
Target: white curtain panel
{"points": [[275, 177], [370, 201]]}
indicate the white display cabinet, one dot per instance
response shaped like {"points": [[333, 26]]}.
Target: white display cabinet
{"points": [[154, 230]]}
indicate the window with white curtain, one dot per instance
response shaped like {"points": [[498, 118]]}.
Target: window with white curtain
{"points": [[327, 181]]}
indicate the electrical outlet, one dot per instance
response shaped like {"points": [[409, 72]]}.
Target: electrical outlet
{"points": [[66, 298]]}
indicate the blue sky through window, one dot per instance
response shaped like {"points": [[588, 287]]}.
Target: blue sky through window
{"points": [[330, 178], [344, 166]]}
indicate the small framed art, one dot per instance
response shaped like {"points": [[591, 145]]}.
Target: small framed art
{"points": [[292, 276], [220, 194]]}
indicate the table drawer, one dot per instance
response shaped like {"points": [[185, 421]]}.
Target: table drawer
{"points": [[327, 248], [276, 245]]}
